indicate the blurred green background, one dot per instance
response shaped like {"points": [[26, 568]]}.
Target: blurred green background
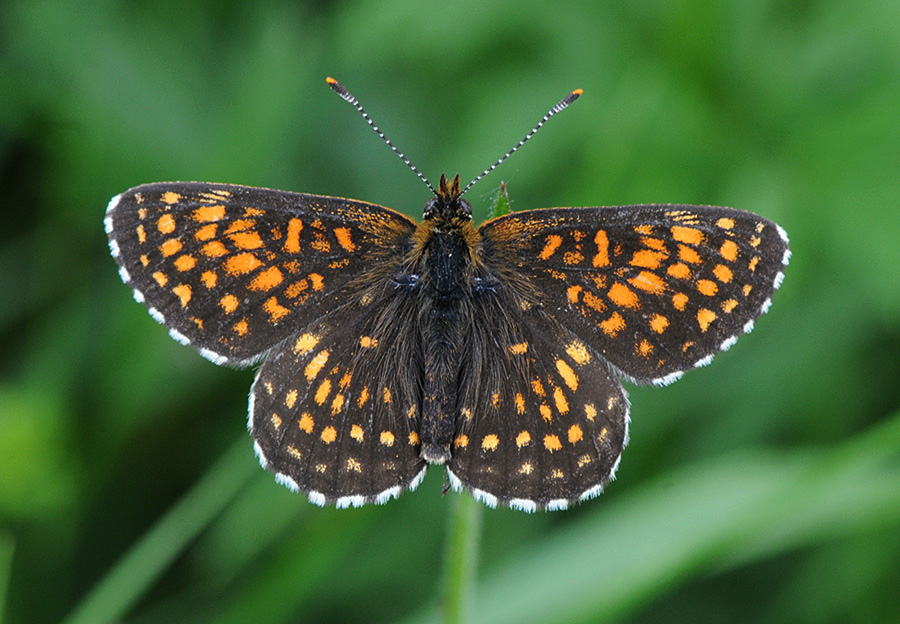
{"points": [[764, 488]]}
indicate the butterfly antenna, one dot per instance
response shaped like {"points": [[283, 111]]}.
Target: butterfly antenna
{"points": [[561, 105], [341, 90]]}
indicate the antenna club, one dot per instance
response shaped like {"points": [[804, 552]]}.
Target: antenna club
{"points": [[576, 92], [339, 89]]}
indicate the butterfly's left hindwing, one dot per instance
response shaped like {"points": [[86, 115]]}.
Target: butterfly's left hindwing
{"points": [[547, 423], [233, 270]]}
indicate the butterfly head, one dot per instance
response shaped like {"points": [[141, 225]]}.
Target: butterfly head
{"points": [[448, 205]]}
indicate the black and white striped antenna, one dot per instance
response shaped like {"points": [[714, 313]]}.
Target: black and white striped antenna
{"points": [[342, 91], [560, 106]]}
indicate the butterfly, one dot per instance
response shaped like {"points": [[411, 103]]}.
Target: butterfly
{"points": [[386, 345]]}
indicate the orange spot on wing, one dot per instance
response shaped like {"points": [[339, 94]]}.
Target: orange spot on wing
{"points": [[601, 258], [207, 232], [490, 442], [575, 434], [568, 375], [322, 391], [648, 258], [644, 348], [337, 404], [363, 396], [246, 240], [691, 236], [292, 240], [208, 213], [316, 280], [185, 262], [242, 264], [654, 243], [275, 310], [166, 224], [343, 238], [688, 255], [648, 282], [170, 198], [705, 318], [622, 296], [658, 323], [214, 249], [613, 325], [329, 434], [546, 414], [552, 443], [316, 365], [707, 287], [523, 439], [729, 250], [594, 302], [679, 270], [559, 397], [679, 300], [578, 352], [266, 280], [305, 343], [229, 303], [183, 292], [725, 223], [170, 247], [572, 293], [550, 247], [723, 273]]}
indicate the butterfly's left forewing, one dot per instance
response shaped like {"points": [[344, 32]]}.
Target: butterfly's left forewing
{"points": [[655, 289]]}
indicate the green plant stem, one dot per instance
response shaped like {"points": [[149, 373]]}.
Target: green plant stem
{"points": [[7, 546], [461, 558], [137, 570]]}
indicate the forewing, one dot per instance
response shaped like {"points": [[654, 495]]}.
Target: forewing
{"points": [[334, 409], [233, 270], [654, 289]]}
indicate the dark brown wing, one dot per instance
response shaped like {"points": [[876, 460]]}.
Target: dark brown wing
{"points": [[543, 418], [655, 290], [335, 408], [233, 270]]}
